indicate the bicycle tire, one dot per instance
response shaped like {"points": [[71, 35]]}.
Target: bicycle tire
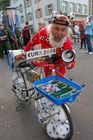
{"points": [[69, 119]]}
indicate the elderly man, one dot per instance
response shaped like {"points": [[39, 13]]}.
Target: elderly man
{"points": [[54, 35]]}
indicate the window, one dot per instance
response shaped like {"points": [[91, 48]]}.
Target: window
{"points": [[39, 13], [64, 6], [71, 7], [29, 16], [85, 9], [82, 9], [20, 8], [75, 7], [36, 1], [22, 19], [78, 8], [28, 3], [49, 9]]}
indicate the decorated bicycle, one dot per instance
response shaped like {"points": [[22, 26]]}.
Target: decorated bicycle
{"points": [[45, 68], [52, 94]]}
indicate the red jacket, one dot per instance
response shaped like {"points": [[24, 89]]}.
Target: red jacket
{"points": [[43, 38], [26, 27]]}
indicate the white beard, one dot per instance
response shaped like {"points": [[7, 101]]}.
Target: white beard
{"points": [[56, 44], [52, 41]]}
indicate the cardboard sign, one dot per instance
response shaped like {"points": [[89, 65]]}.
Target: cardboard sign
{"points": [[40, 53]]}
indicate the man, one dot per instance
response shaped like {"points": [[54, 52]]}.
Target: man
{"points": [[12, 38], [26, 34], [18, 37], [77, 32], [82, 35], [89, 33], [3, 41], [54, 36]]}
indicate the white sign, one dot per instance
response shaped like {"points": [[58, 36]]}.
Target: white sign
{"points": [[40, 53], [16, 52]]}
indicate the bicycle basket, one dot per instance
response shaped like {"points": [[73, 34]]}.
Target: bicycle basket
{"points": [[58, 89]]}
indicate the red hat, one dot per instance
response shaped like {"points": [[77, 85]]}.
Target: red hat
{"points": [[61, 20]]}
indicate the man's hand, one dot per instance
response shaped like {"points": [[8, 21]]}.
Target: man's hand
{"points": [[66, 64], [69, 65], [21, 56]]}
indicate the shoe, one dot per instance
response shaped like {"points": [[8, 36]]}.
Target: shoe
{"points": [[90, 52], [86, 51]]}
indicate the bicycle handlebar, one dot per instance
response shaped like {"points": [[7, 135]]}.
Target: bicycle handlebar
{"points": [[42, 64], [33, 64], [25, 64]]}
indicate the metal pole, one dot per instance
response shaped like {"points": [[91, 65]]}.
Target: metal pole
{"points": [[32, 11], [25, 9]]}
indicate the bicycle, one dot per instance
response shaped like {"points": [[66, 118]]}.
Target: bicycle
{"points": [[52, 106]]}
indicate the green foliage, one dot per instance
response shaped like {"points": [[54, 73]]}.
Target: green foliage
{"points": [[4, 4]]}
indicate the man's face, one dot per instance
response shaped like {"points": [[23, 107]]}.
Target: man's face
{"points": [[59, 32]]}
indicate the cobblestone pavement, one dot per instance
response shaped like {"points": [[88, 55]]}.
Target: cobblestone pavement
{"points": [[23, 124]]}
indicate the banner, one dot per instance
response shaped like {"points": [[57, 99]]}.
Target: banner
{"points": [[12, 18]]}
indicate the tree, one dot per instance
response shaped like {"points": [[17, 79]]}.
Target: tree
{"points": [[4, 4]]}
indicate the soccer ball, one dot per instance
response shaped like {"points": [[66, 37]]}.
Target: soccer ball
{"points": [[59, 117], [51, 128], [45, 102], [58, 129], [43, 117], [71, 16], [62, 130], [54, 14]]}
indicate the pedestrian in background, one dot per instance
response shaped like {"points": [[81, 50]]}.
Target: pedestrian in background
{"points": [[3, 41], [12, 38], [82, 35], [18, 37], [89, 33], [77, 32], [26, 34]]}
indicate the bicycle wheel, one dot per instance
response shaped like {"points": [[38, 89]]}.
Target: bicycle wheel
{"points": [[60, 125], [20, 87]]}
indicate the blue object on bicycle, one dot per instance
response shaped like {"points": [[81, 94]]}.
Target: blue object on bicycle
{"points": [[65, 91]]}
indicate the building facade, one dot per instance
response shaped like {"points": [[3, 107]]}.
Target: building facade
{"points": [[90, 7], [78, 7], [38, 12]]}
